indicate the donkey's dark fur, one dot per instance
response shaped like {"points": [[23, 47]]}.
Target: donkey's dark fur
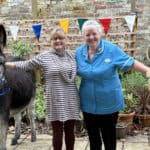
{"points": [[17, 91]]}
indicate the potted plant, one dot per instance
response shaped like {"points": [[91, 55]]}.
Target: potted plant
{"points": [[126, 116], [136, 83], [20, 48]]}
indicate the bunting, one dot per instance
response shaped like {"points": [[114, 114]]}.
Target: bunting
{"points": [[81, 22], [14, 31], [105, 23], [64, 24], [37, 29], [130, 20]]}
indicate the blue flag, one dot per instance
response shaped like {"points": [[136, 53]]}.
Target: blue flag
{"points": [[37, 29]]}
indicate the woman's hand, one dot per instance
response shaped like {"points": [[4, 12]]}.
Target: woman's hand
{"points": [[148, 77], [10, 64], [148, 74]]}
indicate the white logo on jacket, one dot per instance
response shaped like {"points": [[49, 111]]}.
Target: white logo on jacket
{"points": [[107, 60]]}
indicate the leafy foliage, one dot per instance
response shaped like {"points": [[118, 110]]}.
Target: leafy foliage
{"points": [[40, 102], [135, 84], [20, 48], [78, 81], [134, 80]]}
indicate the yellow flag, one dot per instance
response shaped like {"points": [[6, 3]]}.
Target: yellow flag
{"points": [[64, 23]]}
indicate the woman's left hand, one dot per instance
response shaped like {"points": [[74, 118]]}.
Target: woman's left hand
{"points": [[148, 77], [148, 74]]}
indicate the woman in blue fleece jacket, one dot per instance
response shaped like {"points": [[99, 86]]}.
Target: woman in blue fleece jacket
{"points": [[100, 91]]}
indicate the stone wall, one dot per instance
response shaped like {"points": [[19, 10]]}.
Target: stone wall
{"points": [[22, 9]]}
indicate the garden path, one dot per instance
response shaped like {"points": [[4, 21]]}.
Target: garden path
{"points": [[44, 142]]}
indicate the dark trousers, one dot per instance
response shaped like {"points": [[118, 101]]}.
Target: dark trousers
{"points": [[58, 128], [101, 128]]}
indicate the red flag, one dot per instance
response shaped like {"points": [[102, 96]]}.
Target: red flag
{"points": [[105, 23]]}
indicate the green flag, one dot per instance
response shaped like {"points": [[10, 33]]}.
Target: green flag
{"points": [[80, 22]]}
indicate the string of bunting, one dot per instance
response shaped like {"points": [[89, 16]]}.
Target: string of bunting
{"points": [[64, 23]]}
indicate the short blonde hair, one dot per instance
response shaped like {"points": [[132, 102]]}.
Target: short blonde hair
{"points": [[93, 24], [57, 32]]}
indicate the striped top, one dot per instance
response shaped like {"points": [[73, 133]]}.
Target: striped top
{"points": [[62, 99]]}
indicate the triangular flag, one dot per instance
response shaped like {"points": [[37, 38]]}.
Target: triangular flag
{"points": [[14, 31], [64, 24], [130, 19], [105, 23], [80, 22], [37, 29]]}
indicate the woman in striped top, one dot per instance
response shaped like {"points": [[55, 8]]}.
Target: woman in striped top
{"points": [[62, 99]]}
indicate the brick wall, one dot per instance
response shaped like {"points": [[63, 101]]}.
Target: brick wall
{"points": [[143, 32], [125, 39], [96, 9]]}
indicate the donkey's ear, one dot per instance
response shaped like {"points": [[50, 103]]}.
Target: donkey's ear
{"points": [[3, 36]]}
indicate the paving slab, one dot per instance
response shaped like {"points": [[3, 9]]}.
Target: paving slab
{"points": [[44, 142]]}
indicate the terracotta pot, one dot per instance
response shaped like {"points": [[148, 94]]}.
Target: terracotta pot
{"points": [[128, 119], [144, 120]]}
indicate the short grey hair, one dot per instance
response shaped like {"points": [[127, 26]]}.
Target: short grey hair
{"points": [[93, 24]]}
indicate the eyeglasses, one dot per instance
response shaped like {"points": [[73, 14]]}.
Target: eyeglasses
{"points": [[58, 38]]}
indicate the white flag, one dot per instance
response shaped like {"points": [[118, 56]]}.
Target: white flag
{"points": [[14, 31], [130, 21]]}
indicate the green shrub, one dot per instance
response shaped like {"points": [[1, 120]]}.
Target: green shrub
{"points": [[78, 81], [40, 102], [135, 89], [20, 48]]}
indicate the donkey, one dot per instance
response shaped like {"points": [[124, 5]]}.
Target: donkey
{"points": [[30, 108], [17, 92]]}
